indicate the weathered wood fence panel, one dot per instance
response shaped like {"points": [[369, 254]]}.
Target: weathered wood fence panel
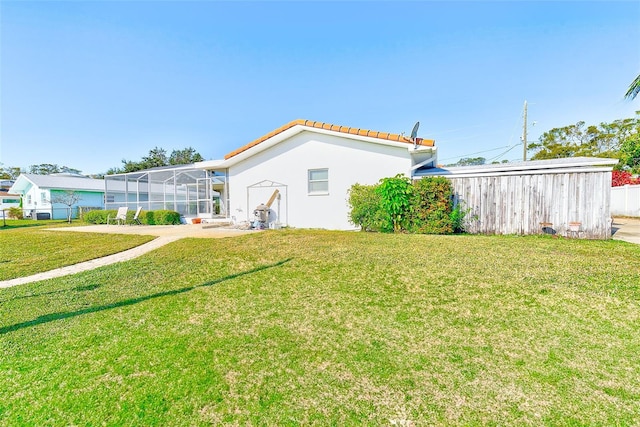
{"points": [[520, 203]]}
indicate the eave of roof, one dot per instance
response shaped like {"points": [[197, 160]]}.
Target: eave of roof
{"points": [[335, 128]]}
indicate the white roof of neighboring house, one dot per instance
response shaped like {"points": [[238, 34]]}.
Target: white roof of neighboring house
{"points": [[57, 182]]}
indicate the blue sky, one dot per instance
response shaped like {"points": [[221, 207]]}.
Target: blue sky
{"points": [[88, 83]]}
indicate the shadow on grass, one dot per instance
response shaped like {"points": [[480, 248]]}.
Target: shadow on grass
{"points": [[61, 291], [58, 316]]}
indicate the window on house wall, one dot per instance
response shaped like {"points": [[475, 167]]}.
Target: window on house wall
{"points": [[28, 199], [318, 181], [43, 197], [110, 198]]}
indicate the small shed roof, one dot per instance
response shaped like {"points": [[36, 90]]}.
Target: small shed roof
{"points": [[570, 164]]}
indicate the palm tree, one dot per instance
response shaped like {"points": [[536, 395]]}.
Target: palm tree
{"points": [[634, 89]]}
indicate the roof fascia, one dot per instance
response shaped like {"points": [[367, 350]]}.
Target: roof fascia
{"points": [[531, 166], [208, 164]]}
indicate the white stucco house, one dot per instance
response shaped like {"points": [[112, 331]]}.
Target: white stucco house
{"points": [[38, 191], [313, 165]]}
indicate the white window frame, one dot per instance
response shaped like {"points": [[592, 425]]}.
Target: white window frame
{"points": [[311, 181]]}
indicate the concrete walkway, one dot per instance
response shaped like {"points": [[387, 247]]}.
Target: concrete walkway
{"points": [[94, 263], [166, 234], [626, 229]]}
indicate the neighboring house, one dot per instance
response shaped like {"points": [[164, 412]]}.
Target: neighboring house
{"points": [[313, 165], [5, 184], [7, 201], [37, 191]]}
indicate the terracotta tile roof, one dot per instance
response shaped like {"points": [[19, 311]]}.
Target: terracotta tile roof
{"points": [[335, 128]]}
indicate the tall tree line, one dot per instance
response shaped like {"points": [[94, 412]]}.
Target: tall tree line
{"points": [[158, 157], [619, 139]]}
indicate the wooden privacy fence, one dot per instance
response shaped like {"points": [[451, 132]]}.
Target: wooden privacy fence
{"points": [[568, 197]]}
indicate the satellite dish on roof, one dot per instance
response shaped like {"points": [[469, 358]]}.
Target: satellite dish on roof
{"points": [[414, 131]]}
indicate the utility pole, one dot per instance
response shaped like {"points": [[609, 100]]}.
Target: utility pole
{"points": [[524, 134]]}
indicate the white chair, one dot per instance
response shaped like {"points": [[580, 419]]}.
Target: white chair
{"points": [[136, 217], [121, 216]]}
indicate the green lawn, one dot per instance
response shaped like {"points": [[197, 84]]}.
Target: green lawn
{"points": [[26, 247], [317, 328]]}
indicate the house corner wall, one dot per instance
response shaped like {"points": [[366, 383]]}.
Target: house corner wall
{"points": [[348, 162]]}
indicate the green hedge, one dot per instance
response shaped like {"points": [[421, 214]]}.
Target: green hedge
{"points": [[432, 206], [165, 217], [97, 217], [396, 204], [365, 201], [160, 217]]}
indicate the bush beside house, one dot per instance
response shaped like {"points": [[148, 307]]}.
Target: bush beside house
{"points": [[16, 213], [159, 217], [620, 178], [399, 205]]}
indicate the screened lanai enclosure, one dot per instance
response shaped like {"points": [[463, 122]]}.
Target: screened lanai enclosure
{"points": [[189, 191]]}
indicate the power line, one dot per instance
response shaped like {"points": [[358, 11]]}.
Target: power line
{"points": [[478, 152], [502, 154], [508, 147]]}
